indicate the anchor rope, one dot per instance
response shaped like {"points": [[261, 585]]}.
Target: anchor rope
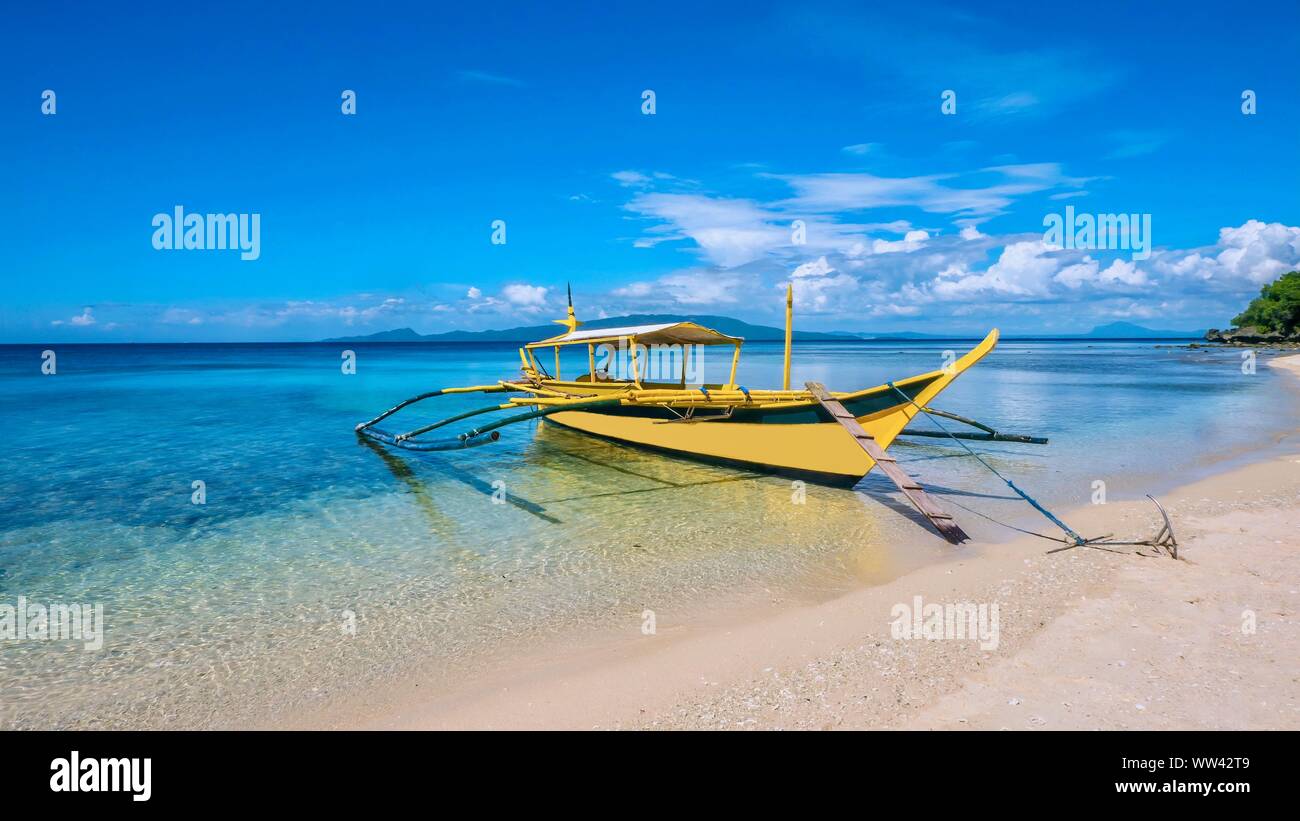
{"points": [[1006, 525], [1033, 502]]}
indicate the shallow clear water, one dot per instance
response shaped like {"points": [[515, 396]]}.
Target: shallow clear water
{"points": [[241, 608]]}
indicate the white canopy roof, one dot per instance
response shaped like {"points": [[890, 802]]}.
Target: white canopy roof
{"points": [[667, 333]]}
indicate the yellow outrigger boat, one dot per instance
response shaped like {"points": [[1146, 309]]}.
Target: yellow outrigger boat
{"points": [[782, 430], [833, 437]]}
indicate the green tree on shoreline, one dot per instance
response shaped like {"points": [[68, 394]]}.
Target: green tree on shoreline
{"points": [[1276, 309]]}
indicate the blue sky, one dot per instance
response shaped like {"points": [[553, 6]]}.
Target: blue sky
{"points": [[532, 114]]}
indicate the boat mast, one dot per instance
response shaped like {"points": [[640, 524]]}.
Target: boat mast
{"points": [[571, 324], [789, 326]]}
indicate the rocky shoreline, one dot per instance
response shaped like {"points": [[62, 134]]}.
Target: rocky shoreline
{"points": [[1252, 337]]}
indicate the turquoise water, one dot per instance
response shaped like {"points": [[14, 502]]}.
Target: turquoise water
{"points": [[320, 564]]}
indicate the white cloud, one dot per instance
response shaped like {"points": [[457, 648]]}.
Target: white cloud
{"points": [[690, 288], [1022, 270], [966, 277], [1074, 276], [825, 193], [82, 320], [911, 241], [728, 232], [1119, 273], [857, 272], [817, 268], [636, 179], [181, 316], [1259, 252], [895, 227], [630, 178], [1249, 255], [525, 296], [818, 287], [1125, 272]]}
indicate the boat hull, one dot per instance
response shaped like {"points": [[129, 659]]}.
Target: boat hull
{"points": [[796, 438], [818, 450]]}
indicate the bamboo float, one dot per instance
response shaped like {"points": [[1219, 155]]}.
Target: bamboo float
{"points": [[457, 443]]}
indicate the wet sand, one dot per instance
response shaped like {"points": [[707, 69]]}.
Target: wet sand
{"points": [[1087, 639]]}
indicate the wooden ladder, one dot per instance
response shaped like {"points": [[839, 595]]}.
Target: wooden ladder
{"points": [[942, 521]]}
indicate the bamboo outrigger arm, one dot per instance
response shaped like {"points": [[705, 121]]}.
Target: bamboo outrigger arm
{"points": [[395, 408], [486, 434], [989, 434], [467, 414], [582, 404]]}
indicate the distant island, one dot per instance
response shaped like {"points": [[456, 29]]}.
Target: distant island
{"points": [[736, 327]]}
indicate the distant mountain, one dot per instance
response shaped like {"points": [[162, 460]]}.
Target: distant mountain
{"points": [[735, 327], [532, 333], [1127, 330], [911, 335], [396, 335]]}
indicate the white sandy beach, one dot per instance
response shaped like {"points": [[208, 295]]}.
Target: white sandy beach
{"points": [[1088, 639]]}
